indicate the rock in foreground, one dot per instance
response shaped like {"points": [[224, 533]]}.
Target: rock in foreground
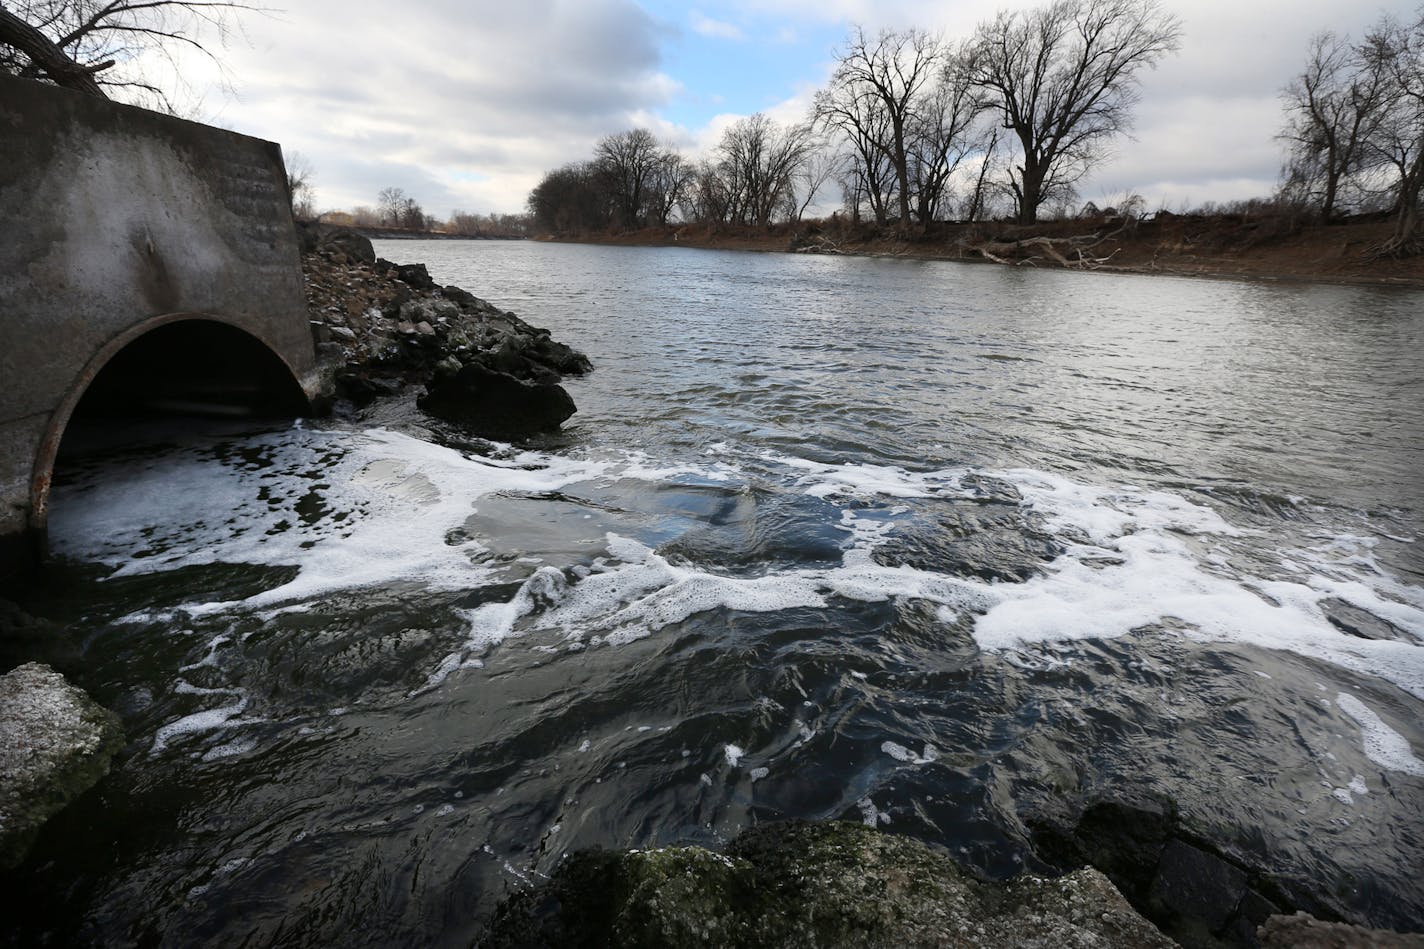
{"points": [[812, 884], [55, 744]]}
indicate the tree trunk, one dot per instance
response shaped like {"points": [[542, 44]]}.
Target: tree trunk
{"points": [[47, 57], [1405, 240], [1031, 190], [1332, 186]]}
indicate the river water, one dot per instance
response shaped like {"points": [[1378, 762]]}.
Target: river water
{"points": [[939, 547]]}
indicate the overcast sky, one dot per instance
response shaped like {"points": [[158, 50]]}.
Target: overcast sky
{"points": [[465, 103]]}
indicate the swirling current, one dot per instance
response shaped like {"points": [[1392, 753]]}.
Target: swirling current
{"points": [[933, 546]]}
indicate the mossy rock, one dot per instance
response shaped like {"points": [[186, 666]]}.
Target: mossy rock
{"points": [[811, 884]]}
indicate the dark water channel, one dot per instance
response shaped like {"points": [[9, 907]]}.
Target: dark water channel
{"points": [[937, 547]]}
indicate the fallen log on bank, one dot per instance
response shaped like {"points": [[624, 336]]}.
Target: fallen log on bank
{"points": [[1070, 252]]}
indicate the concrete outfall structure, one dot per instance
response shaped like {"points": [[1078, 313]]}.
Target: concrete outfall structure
{"points": [[139, 239]]}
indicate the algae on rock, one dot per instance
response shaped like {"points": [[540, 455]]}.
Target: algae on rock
{"points": [[812, 884]]}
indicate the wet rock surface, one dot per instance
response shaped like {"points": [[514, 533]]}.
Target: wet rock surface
{"points": [[1304, 932], [380, 327], [55, 744], [1193, 891], [25, 638], [497, 404], [812, 884]]}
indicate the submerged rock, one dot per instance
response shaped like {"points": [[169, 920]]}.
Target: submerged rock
{"points": [[1305, 932], [26, 638], [55, 744], [1200, 896], [812, 884], [495, 404]]}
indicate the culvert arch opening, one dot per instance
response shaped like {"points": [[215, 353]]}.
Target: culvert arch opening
{"points": [[187, 377]]}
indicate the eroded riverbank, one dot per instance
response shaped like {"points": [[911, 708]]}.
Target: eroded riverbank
{"points": [[1220, 247]]}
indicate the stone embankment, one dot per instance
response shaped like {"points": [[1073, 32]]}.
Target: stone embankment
{"points": [[380, 327]]}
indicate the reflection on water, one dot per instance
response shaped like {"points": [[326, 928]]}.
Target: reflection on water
{"points": [[939, 547]]}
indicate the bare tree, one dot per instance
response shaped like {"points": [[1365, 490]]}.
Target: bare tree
{"points": [[821, 165], [101, 46], [1062, 77], [629, 161], [668, 178], [758, 161], [570, 200], [392, 204], [868, 177], [1397, 50], [942, 135], [874, 92], [398, 209], [299, 186], [1332, 110], [979, 196]]}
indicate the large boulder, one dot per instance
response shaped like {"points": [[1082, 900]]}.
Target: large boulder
{"points": [[495, 404], [55, 744], [812, 884], [353, 245]]}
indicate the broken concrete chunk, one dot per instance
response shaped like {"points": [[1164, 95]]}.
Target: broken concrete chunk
{"points": [[55, 744]]}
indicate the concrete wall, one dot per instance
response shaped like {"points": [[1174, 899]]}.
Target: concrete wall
{"points": [[114, 220]]}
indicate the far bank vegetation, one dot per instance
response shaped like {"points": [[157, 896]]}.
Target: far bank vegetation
{"points": [[984, 142]]}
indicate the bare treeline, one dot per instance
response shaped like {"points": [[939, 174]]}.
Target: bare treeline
{"points": [[1355, 127], [397, 210], [760, 172], [913, 128]]}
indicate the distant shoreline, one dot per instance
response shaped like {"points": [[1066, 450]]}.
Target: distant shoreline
{"points": [[403, 234], [1217, 247]]}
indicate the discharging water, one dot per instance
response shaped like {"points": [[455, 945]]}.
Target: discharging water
{"points": [[933, 546]]}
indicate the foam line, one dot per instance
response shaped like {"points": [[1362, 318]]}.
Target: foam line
{"points": [[1383, 745]]}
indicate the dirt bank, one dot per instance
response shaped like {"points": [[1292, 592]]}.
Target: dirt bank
{"points": [[1221, 246]]}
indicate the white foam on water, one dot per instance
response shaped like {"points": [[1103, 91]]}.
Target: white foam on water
{"points": [[1383, 745], [902, 754], [204, 721], [1129, 564], [634, 592], [1104, 514], [825, 480], [230, 749], [400, 496], [638, 465]]}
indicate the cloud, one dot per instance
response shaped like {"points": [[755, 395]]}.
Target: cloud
{"points": [[467, 102], [706, 26], [457, 103]]}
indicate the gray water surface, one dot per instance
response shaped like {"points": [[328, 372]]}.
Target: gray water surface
{"points": [[943, 548]]}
